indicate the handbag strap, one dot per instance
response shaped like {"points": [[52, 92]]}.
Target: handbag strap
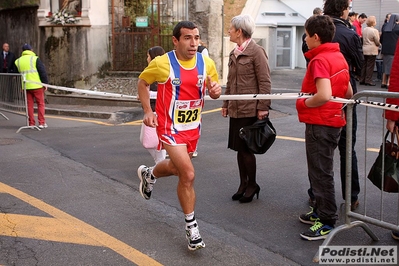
{"points": [[397, 140]]}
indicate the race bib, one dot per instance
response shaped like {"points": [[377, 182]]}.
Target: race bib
{"points": [[187, 114]]}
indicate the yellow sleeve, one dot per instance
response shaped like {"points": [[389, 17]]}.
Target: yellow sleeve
{"points": [[211, 69], [157, 70]]}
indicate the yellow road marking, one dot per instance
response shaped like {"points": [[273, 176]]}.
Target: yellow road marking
{"points": [[81, 120], [290, 138], [43, 228], [373, 149], [64, 221]]}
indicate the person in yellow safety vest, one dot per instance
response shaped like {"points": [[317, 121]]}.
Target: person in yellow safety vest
{"points": [[33, 69]]}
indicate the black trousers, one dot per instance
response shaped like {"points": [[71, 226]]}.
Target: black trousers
{"points": [[321, 141]]}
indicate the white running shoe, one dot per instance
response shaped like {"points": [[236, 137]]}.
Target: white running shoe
{"points": [[146, 181], [194, 238]]}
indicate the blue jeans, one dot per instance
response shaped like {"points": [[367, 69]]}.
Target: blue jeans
{"points": [[321, 141]]}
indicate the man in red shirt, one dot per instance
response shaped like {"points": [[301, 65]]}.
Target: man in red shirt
{"points": [[358, 23]]}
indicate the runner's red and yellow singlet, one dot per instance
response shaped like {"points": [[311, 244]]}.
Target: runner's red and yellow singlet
{"points": [[180, 101]]}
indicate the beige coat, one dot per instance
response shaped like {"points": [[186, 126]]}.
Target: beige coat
{"points": [[371, 41]]}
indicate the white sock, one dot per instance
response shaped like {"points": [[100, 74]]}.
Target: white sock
{"points": [[190, 220]]}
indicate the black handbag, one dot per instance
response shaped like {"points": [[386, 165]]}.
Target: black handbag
{"points": [[259, 136], [388, 180]]}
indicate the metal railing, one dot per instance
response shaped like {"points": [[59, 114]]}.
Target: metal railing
{"points": [[362, 220], [13, 97]]}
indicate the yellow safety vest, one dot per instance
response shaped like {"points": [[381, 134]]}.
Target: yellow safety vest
{"points": [[26, 65]]}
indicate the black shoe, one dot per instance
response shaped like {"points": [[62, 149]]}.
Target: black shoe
{"points": [[246, 199], [370, 84], [240, 192], [237, 196], [384, 86], [362, 83], [318, 231], [309, 218]]}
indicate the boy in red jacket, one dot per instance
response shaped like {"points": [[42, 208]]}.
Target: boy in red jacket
{"points": [[327, 75]]}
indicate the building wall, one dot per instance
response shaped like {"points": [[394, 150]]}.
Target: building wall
{"points": [[378, 8], [77, 55], [207, 14]]}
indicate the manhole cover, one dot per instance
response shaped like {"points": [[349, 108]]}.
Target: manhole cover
{"points": [[9, 141]]}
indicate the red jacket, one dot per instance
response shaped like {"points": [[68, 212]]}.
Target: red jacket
{"points": [[394, 86], [331, 59]]}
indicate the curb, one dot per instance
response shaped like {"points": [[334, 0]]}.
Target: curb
{"points": [[122, 116]]}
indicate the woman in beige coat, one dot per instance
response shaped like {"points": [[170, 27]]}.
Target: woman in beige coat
{"points": [[371, 42]]}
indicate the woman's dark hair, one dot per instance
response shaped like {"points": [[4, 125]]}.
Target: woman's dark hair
{"points": [[323, 26], [335, 8], [182, 24], [155, 51]]}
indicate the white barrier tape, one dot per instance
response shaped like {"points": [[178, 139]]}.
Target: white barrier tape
{"points": [[273, 96], [80, 91]]}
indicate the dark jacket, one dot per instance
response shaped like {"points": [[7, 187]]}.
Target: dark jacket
{"points": [[249, 73], [394, 86], [349, 44], [42, 71], [305, 48], [10, 66], [389, 39]]}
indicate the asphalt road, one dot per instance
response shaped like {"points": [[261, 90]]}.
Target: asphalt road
{"points": [[69, 195]]}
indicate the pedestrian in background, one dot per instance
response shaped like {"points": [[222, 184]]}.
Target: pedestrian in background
{"points": [[33, 69], [380, 59], [393, 116], [316, 12], [352, 16], [8, 66], [8, 60], [324, 120], [202, 49], [182, 75], [148, 135], [389, 38], [359, 21], [371, 42], [249, 73]]}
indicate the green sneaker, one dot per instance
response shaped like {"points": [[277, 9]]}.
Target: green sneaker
{"points": [[309, 218], [317, 231]]}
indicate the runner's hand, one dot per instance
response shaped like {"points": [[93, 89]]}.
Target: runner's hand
{"points": [[214, 88]]}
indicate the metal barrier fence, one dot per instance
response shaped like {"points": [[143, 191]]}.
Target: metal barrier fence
{"points": [[381, 220], [13, 97]]}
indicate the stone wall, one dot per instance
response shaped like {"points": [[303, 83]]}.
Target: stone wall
{"points": [[207, 14], [76, 56]]}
